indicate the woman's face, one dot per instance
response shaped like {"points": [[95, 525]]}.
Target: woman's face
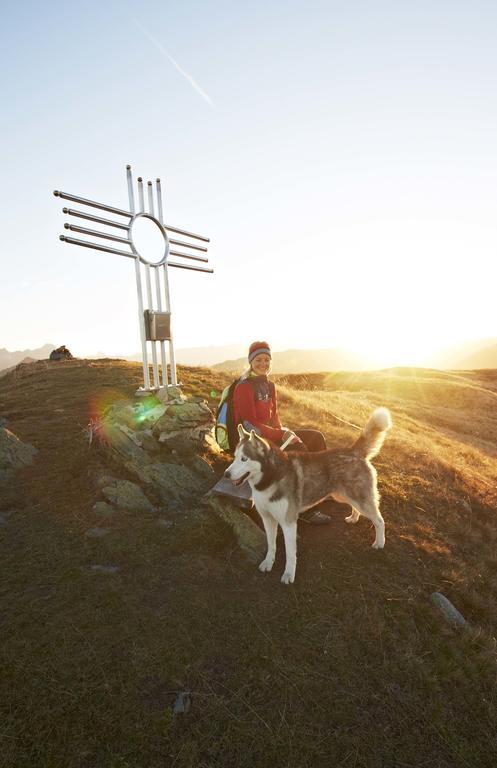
{"points": [[261, 365]]}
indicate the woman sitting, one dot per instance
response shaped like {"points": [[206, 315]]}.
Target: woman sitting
{"points": [[255, 406]]}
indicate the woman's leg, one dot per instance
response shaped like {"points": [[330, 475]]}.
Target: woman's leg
{"points": [[312, 439]]}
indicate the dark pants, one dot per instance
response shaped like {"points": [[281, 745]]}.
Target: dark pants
{"points": [[312, 440]]}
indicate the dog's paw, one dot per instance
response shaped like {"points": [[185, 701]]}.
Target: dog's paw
{"points": [[287, 578], [352, 518], [377, 545], [266, 565]]}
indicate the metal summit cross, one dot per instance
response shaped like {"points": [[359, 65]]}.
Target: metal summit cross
{"points": [[154, 321]]}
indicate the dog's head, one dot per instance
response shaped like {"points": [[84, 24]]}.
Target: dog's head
{"points": [[250, 454]]}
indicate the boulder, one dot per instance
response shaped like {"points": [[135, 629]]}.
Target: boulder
{"points": [[250, 537], [448, 610], [102, 508], [173, 482], [124, 494], [14, 454], [61, 353], [170, 394]]}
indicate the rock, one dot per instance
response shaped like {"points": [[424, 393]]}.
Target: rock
{"points": [[182, 703], [172, 482], [104, 569], [250, 537], [182, 443], [124, 494], [96, 533], [170, 394], [102, 508], [183, 416], [125, 446], [448, 611], [61, 353], [211, 444], [130, 434], [122, 413], [148, 442], [5, 516], [14, 454], [203, 467]]}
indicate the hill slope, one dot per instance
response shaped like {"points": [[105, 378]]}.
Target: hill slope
{"points": [[482, 358], [347, 667]]}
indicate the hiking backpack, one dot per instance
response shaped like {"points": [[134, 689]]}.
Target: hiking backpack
{"points": [[226, 431]]}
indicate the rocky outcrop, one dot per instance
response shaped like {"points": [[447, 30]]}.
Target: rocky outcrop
{"points": [[164, 444], [61, 353], [14, 454]]}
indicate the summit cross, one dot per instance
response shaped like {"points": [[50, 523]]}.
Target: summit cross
{"points": [[154, 317]]}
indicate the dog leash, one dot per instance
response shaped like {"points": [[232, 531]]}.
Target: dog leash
{"points": [[287, 442]]}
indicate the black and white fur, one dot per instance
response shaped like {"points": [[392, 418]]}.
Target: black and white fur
{"points": [[286, 484]]}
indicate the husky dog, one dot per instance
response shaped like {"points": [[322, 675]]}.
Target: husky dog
{"points": [[286, 484]]}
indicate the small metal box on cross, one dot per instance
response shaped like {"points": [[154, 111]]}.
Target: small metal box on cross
{"points": [[154, 316]]}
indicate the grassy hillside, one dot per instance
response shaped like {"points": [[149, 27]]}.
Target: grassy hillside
{"points": [[351, 666]]}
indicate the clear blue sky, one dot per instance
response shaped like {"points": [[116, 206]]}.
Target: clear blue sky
{"points": [[341, 156]]}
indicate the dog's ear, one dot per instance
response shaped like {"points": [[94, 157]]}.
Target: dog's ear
{"points": [[260, 442], [252, 435], [242, 432]]}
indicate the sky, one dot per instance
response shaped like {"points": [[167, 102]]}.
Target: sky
{"points": [[340, 156]]}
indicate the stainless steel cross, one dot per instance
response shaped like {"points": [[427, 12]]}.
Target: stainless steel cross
{"points": [[154, 320]]}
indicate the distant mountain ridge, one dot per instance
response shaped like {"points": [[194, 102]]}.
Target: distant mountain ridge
{"points": [[481, 358], [11, 359], [460, 356], [302, 360], [481, 353]]}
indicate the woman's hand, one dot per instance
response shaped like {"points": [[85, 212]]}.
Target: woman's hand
{"points": [[291, 437]]}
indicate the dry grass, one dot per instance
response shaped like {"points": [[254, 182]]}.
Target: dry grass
{"points": [[349, 667]]}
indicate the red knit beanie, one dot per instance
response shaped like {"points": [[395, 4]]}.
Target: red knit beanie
{"points": [[258, 348]]}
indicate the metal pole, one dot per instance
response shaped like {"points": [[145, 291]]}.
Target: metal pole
{"points": [[97, 233], [140, 195], [187, 234], [162, 345], [100, 220], [131, 196], [188, 245], [85, 201], [172, 360], [96, 246], [141, 319], [188, 266], [160, 214], [151, 306], [150, 199], [189, 256]]}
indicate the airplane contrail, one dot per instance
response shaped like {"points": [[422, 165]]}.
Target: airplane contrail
{"points": [[175, 64]]}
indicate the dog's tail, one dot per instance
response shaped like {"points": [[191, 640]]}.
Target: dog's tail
{"points": [[373, 434]]}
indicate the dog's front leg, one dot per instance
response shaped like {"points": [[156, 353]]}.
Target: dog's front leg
{"points": [[290, 534], [271, 528]]}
